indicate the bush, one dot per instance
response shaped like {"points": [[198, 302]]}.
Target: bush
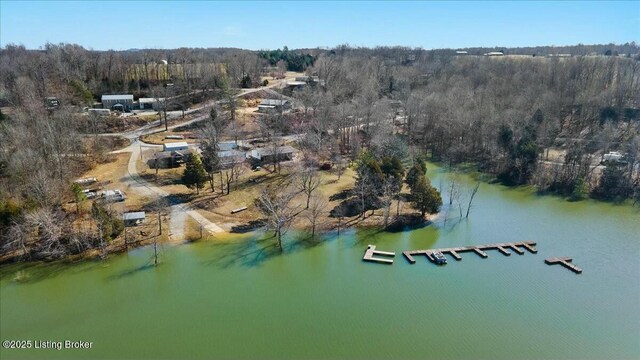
{"points": [[614, 185], [580, 190]]}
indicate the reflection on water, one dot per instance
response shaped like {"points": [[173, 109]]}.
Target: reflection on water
{"points": [[244, 298]]}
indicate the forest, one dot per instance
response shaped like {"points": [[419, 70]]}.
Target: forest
{"points": [[519, 120]]}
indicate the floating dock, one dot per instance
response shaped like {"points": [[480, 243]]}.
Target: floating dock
{"points": [[371, 251], [502, 247], [564, 261]]}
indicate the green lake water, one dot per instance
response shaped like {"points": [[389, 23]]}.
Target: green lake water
{"points": [[320, 301]]}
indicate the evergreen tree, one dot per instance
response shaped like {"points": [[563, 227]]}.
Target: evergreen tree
{"points": [[369, 180], [194, 175], [614, 184], [418, 170], [424, 197]]}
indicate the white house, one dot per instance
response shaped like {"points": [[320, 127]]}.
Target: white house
{"points": [[175, 146]]}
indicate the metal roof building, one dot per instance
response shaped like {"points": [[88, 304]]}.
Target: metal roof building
{"points": [[273, 104], [133, 218], [282, 151], [122, 102], [175, 146]]}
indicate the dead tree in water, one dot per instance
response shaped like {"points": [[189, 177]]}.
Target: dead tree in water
{"points": [[473, 194]]}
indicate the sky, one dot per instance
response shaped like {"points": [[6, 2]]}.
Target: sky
{"points": [[104, 25]]}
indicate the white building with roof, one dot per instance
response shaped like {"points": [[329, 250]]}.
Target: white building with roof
{"points": [[269, 154], [150, 103], [122, 102], [268, 105], [179, 146]]}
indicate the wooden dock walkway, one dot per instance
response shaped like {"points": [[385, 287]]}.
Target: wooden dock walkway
{"points": [[564, 261], [371, 251], [502, 247]]}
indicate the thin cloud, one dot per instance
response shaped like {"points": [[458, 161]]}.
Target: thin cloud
{"points": [[232, 31]]}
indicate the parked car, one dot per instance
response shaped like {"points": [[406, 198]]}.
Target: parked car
{"points": [[113, 195], [89, 194]]}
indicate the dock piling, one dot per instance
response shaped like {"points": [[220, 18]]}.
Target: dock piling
{"points": [[564, 261], [371, 251]]}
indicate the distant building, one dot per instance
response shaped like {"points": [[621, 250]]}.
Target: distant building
{"points": [[175, 146], [230, 157], [117, 102], [268, 154], [494, 53], [150, 103], [296, 85], [461, 52], [269, 105], [133, 218], [167, 159]]}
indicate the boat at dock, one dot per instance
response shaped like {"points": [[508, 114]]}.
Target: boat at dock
{"points": [[438, 258]]}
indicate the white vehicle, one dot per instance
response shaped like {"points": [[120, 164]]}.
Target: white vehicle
{"points": [[89, 194], [113, 195], [613, 156], [86, 181]]}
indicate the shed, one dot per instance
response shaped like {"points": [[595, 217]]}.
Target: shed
{"points": [[175, 146], [133, 218], [296, 85], [150, 103], [268, 105]]}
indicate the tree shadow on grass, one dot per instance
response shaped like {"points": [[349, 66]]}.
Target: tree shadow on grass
{"points": [[342, 195], [248, 227]]}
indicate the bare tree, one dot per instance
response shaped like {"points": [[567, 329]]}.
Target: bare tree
{"points": [[275, 204], [471, 196], [308, 180], [388, 193], [314, 212]]}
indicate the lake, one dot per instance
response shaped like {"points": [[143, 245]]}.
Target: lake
{"points": [[241, 299]]}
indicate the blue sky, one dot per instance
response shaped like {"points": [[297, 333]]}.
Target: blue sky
{"points": [[270, 25]]}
